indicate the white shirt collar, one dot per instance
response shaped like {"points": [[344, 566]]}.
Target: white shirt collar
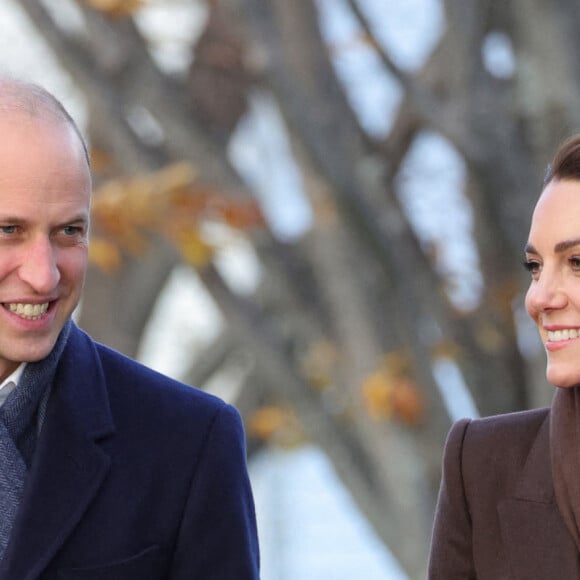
{"points": [[14, 377]]}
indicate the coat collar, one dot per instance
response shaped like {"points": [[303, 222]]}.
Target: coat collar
{"points": [[534, 534], [69, 465]]}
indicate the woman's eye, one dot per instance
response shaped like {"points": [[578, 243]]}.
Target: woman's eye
{"points": [[532, 266], [575, 262], [7, 230]]}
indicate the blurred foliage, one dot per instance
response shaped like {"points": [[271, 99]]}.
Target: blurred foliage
{"points": [[338, 335]]}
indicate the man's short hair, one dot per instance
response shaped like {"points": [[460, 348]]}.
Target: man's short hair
{"points": [[17, 95]]}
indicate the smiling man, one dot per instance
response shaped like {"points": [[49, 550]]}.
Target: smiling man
{"points": [[108, 469]]}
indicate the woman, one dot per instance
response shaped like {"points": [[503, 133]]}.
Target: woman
{"points": [[509, 503]]}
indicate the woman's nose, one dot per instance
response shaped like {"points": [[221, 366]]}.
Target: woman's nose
{"points": [[545, 293]]}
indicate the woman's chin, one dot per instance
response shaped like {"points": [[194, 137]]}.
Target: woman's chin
{"points": [[563, 380]]}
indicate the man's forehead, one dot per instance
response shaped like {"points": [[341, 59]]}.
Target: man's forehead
{"points": [[19, 125], [10, 113], [23, 102]]}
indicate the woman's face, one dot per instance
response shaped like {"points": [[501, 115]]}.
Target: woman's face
{"points": [[553, 298]]}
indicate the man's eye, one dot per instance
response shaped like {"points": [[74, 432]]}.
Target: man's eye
{"points": [[8, 230], [72, 230]]}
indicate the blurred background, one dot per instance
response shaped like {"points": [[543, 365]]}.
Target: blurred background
{"points": [[316, 209]]}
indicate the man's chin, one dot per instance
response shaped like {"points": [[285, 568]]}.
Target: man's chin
{"points": [[35, 352]]}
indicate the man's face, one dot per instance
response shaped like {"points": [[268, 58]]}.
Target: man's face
{"points": [[45, 188]]}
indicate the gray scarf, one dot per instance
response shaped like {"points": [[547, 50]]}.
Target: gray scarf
{"points": [[21, 418]]}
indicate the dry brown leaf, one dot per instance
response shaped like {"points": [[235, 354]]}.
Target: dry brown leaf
{"points": [[116, 8], [105, 255], [276, 424], [193, 248], [376, 391], [390, 392]]}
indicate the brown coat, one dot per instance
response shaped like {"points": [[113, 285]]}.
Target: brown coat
{"points": [[497, 517]]}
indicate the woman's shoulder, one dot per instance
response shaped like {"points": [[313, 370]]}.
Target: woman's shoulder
{"points": [[497, 428], [508, 435], [498, 444]]}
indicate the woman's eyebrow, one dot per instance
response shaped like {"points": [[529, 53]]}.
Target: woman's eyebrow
{"points": [[558, 248], [566, 245]]}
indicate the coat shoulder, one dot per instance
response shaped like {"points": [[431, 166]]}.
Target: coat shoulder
{"points": [[508, 435], [494, 450], [144, 401], [485, 462], [129, 379]]}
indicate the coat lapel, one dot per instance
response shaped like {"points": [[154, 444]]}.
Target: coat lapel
{"points": [[69, 465], [536, 539]]}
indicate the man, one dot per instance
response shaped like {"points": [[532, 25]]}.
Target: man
{"points": [[108, 470]]}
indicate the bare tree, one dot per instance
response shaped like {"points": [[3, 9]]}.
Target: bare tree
{"points": [[347, 321]]}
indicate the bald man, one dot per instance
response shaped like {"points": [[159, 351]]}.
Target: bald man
{"points": [[108, 469]]}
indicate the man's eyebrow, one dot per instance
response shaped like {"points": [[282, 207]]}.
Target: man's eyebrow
{"points": [[11, 219], [81, 218], [558, 248]]}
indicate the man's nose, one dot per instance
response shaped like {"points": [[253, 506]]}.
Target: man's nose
{"points": [[39, 267]]}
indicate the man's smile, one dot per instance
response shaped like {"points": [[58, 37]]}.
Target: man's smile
{"points": [[27, 310]]}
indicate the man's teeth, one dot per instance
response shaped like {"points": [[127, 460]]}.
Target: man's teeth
{"points": [[29, 311], [558, 335]]}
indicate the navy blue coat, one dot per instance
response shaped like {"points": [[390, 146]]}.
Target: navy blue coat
{"points": [[135, 476]]}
